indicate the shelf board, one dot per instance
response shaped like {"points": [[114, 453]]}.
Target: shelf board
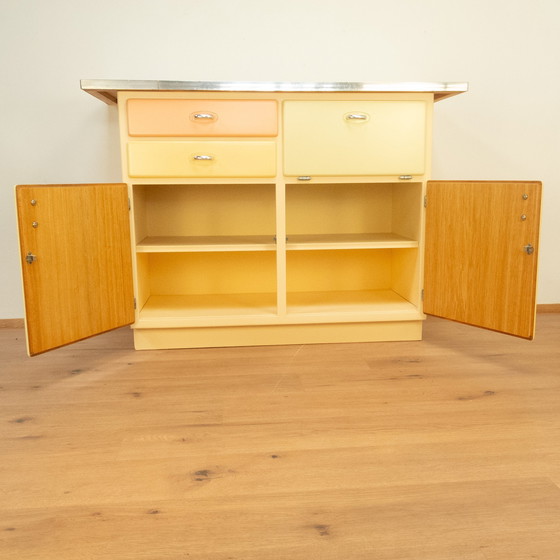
{"points": [[349, 241], [214, 310], [185, 310], [214, 243], [358, 303]]}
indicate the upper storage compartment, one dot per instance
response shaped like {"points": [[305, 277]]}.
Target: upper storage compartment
{"points": [[354, 138], [194, 117]]}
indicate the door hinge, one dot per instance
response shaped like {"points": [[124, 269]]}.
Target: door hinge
{"points": [[134, 303], [425, 201], [422, 295], [129, 204]]}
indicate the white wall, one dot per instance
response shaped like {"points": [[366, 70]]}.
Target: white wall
{"points": [[506, 127]]}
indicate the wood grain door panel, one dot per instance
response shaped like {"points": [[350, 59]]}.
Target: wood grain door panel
{"points": [[479, 269], [79, 280]]}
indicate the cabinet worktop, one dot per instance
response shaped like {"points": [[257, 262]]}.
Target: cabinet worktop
{"points": [[107, 90]]}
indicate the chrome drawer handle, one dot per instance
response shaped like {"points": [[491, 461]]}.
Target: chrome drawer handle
{"points": [[204, 116], [356, 117], [203, 158]]}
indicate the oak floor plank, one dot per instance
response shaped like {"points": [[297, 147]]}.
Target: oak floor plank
{"points": [[443, 449], [458, 520]]}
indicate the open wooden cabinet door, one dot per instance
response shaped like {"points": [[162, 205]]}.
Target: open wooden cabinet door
{"points": [[482, 253], [76, 261]]}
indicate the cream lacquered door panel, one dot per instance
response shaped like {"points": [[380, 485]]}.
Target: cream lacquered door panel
{"points": [[202, 159], [76, 261], [353, 138], [482, 252]]}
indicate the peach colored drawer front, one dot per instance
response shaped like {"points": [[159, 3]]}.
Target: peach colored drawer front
{"points": [[202, 159], [354, 137], [189, 117]]}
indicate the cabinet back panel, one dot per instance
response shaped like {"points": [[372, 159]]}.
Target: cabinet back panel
{"points": [[211, 273], [204, 210], [323, 271], [354, 208]]}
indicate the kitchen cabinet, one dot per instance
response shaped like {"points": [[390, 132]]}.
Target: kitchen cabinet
{"points": [[253, 214]]}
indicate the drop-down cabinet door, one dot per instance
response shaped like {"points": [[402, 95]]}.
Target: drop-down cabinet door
{"points": [[76, 261], [481, 253]]}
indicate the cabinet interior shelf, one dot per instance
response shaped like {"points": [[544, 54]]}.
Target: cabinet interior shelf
{"points": [[303, 307], [216, 243], [356, 302], [213, 243], [208, 305], [350, 241]]}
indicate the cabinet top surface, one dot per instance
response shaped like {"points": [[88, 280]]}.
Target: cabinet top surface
{"points": [[107, 90]]}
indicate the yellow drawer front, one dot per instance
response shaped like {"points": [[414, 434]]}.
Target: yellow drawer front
{"points": [[354, 138], [201, 159], [190, 117]]}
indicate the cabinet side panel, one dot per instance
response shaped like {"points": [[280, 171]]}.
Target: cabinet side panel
{"points": [[405, 274], [478, 269]]}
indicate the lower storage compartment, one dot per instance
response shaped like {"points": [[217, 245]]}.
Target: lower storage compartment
{"points": [[379, 283], [332, 296], [181, 289]]}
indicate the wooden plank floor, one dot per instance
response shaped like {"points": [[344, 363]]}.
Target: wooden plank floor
{"points": [[443, 449]]}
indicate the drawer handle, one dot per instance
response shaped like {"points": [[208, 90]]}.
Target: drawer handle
{"points": [[203, 158], [356, 117], [204, 116]]}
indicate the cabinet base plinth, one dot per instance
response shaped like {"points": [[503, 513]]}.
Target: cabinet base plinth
{"points": [[265, 335]]}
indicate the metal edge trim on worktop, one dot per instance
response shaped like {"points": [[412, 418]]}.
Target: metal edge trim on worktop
{"points": [[106, 90]]}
